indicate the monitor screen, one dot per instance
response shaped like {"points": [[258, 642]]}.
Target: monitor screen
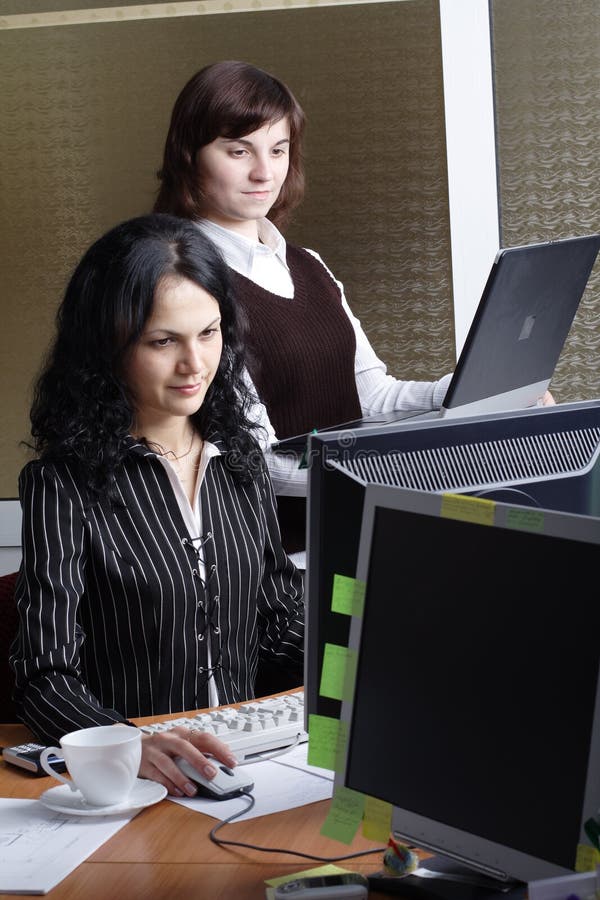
{"points": [[477, 687], [545, 458]]}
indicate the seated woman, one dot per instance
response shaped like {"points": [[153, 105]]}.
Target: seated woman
{"points": [[153, 577]]}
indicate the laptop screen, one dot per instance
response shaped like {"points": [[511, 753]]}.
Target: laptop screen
{"points": [[516, 337], [521, 324]]}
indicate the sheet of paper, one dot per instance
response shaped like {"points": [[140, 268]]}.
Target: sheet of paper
{"points": [[282, 783], [38, 847], [296, 758]]}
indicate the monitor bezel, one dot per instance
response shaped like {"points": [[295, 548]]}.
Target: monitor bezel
{"points": [[499, 861], [323, 559]]}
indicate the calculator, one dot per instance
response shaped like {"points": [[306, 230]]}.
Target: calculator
{"points": [[27, 756]]}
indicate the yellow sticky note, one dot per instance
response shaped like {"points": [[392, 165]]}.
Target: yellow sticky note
{"points": [[377, 821], [327, 741], [587, 858], [348, 595], [526, 518], [469, 509], [345, 815], [308, 873], [338, 673]]}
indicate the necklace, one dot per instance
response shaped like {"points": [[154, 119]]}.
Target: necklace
{"points": [[187, 466], [172, 453]]}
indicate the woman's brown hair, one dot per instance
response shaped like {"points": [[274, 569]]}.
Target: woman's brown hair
{"points": [[226, 99]]}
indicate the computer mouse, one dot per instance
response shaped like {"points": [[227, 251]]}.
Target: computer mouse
{"points": [[226, 783]]}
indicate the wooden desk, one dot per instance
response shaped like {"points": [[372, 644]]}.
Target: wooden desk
{"points": [[165, 853]]}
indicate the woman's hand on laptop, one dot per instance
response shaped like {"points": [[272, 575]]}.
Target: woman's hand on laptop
{"points": [[547, 400]]}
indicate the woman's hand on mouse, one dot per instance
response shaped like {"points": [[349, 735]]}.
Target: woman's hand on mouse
{"points": [[159, 751]]}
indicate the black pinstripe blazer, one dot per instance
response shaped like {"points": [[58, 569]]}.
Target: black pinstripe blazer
{"points": [[114, 617]]}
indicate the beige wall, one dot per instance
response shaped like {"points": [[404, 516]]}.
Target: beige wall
{"points": [[547, 73], [84, 115], [85, 110]]}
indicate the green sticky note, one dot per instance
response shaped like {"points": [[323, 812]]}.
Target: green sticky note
{"points": [[377, 821], [469, 509], [345, 815], [526, 518], [348, 596], [592, 830], [327, 742], [338, 674]]}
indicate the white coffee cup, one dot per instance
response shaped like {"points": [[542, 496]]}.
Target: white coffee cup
{"points": [[103, 762]]}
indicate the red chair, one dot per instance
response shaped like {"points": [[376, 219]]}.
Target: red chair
{"points": [[8, 629]]}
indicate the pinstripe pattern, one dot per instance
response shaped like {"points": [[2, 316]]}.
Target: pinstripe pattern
{"points": [[111, 601]]}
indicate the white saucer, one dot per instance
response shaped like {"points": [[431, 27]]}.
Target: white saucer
{"points": [[63, 799]]}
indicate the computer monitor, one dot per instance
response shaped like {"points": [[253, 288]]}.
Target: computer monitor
{"points": [[546, 457], [476, 707]]}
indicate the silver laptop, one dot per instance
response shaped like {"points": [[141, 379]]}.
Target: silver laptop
{"points": [[516, 336]]}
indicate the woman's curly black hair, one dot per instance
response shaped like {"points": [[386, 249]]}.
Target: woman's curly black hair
{"points": [[81, 408]]}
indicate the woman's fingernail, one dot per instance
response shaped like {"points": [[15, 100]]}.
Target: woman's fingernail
{"points": [[190, 789], [232, 760], [209, 771]]}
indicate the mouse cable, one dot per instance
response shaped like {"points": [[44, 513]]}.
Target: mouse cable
{"points": [[326, 859]]}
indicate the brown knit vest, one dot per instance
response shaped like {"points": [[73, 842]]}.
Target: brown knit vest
{"points": [[301, 360]]}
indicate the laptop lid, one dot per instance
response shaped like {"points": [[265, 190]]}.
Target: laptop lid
{"points": [[516, 337], [520, 326]]}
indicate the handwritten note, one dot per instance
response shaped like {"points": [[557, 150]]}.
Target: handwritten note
{"points": [[345, 815], [339, 672], [327, 741], [348, 595], [525, 518], [377, 822], [468, 509]]}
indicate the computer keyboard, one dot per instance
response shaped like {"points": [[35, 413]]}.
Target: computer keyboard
{"points": [[255, 728]]}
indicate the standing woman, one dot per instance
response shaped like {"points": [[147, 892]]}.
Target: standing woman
{"points": [[233, 164], [153, 577]]}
